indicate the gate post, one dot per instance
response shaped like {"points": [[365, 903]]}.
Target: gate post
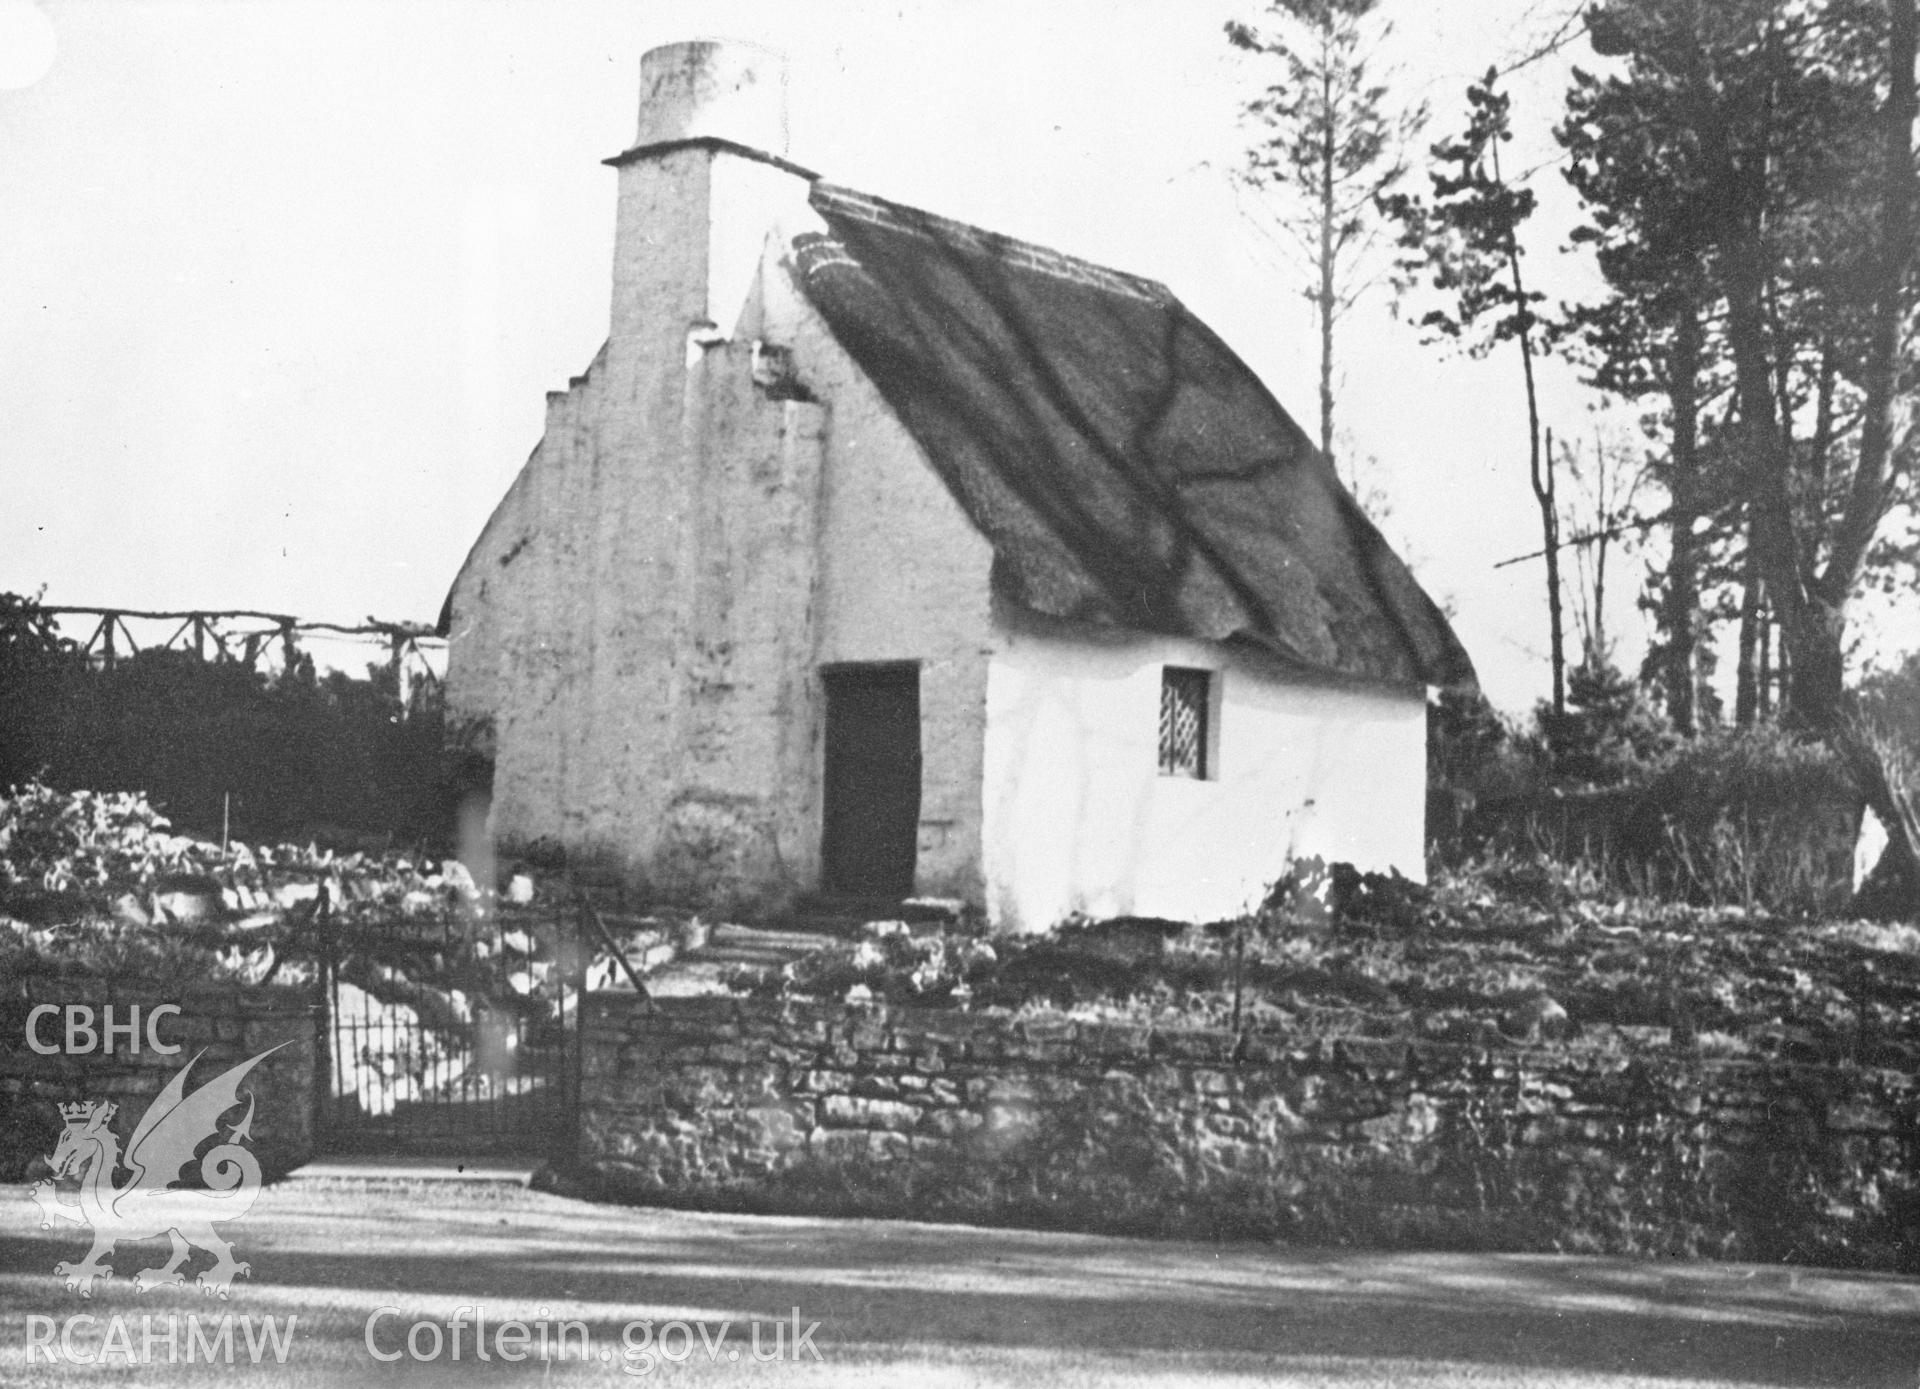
{"points": [[581, 957], [323, 1042]]}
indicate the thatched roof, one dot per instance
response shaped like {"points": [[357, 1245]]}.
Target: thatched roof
{"points": [[1125, 465]]}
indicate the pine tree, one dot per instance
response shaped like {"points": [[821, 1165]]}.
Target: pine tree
{"points": [[1329, 148], [1463, 244], [1750, 175]]}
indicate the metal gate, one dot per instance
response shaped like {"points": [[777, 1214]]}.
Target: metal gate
{"points": [[460, 1038]]}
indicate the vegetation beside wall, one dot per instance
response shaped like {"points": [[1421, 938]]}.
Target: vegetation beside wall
{"points": [[1510, 949], [96, 884], [1756, 817], [222, 748]]}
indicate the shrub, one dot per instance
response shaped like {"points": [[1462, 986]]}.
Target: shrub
{"points": [[1753, 817], [218, 745], [66, 860], [1747, 767], [81, 843], [1609, 732], [1464, 736]]}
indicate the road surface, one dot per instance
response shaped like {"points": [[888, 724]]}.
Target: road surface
{"points": [[385, 1275]]}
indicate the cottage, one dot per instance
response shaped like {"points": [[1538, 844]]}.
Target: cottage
{"points": [[878, 555]]}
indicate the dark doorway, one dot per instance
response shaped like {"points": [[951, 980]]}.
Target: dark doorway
{"points": [[872, 793]]}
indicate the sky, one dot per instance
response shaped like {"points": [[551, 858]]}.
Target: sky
{"points": [[286, 283]]}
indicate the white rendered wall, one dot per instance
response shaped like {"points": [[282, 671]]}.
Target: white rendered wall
{"points": [[902, 576], [1077, 817], [636, 619], [645, 618]]}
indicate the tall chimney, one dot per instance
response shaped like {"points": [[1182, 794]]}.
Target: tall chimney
{"points": [[701, 188], [672, 456]]}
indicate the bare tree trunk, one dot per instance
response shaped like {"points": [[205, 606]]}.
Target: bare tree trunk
{"points": [[1681, 601], [1771, 669], [1748, 691], [1600, 650], [1821, 446], [1325, 298], [1543, 493]]}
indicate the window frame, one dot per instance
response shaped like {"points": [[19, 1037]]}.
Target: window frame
{"points": [[1205, 682]]}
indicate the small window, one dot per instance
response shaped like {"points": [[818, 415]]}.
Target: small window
{"points": [[1185, 696]]}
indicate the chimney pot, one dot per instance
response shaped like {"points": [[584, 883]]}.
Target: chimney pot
{"points": [[708, 89]]}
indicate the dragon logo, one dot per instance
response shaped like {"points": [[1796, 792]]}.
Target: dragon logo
{"points": [[148, 1204]]}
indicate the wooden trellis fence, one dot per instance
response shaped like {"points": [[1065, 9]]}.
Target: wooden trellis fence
{"points": [[246, 636]]}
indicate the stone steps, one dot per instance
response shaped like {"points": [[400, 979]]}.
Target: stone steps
{"points": [[840, 916], [701, 963], [729, 949], [788, 942]]}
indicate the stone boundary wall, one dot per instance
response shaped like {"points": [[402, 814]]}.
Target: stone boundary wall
{"points": [[1624, 1142], [228, 1022]]}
